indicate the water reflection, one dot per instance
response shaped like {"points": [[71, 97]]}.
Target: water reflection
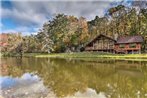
{"points": [[26, 86], [89, 93], [86, 77]]}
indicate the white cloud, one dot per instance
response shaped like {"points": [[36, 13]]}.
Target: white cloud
{"points": [[22, 29], [29, 12], [22, 17], [27, 85], [34, 13]]}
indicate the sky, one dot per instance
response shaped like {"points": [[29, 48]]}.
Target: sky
{"points": [[28, 16]]}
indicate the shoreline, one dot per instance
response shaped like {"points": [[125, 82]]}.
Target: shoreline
{"points": [[87, 55], [132, 57]]}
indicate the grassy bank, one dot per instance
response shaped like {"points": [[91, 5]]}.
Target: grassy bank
{"points": [[86, 55], [136, 57], [32, 54], [8, 54]]}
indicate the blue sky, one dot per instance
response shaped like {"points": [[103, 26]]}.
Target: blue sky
{"points": [[28, 16]]}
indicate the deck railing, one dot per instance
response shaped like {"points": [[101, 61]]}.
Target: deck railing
{"points": [[98, 48]]}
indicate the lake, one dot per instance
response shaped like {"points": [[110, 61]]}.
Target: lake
{"points": [[72, 78]]}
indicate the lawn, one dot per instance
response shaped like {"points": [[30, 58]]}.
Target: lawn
{"points": [[136, 57]]}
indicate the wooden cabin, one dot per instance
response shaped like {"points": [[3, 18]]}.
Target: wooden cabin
{"points": [[101, 43], [124, 44], [129, 44]]}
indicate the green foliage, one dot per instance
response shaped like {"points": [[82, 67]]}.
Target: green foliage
{"points": [[14, 45], [63, 32], [31, 44], [115, 9]]}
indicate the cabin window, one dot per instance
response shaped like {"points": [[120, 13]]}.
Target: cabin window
{"points": [[132, 45], [121, 46]]}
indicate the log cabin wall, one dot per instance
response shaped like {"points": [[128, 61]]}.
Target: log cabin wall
{"points": [[101, 43]]}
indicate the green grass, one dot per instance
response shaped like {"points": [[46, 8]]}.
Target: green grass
{"points": [[136, 57], [88, 55], [9, 54], [32, 54]]}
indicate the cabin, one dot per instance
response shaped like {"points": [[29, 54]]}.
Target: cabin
{"points": [[129, 44], [124, 44], [101, 43]]}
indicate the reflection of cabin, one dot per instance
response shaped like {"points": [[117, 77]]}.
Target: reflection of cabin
{"points": [[101, 43], [125, 44], [129, 44]]}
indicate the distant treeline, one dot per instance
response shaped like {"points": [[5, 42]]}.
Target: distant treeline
{"points": [[66, 33]]}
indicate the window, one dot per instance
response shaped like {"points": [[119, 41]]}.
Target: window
{"points": [[122, 46], [132, 45]]}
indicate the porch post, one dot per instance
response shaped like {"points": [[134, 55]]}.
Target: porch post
{"points": [[126, 52], [139, 51]]}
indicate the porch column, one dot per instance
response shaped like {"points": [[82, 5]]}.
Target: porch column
{"points": [[139, 51], [126, 52], [132, 51]]}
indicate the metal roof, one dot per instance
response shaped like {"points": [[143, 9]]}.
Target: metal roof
{"points": [[130, 39]]}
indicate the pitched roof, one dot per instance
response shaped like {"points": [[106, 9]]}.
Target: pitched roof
{"points": [[130, 39], [100, 35]]}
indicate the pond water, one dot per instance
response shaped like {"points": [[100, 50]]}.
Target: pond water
{"points": [[72, 78]]}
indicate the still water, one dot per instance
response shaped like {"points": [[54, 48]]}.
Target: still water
{"points": [[72, 78]]}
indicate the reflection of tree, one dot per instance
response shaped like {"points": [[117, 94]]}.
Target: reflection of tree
{"points": [[19, 61], [67, 77]]}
